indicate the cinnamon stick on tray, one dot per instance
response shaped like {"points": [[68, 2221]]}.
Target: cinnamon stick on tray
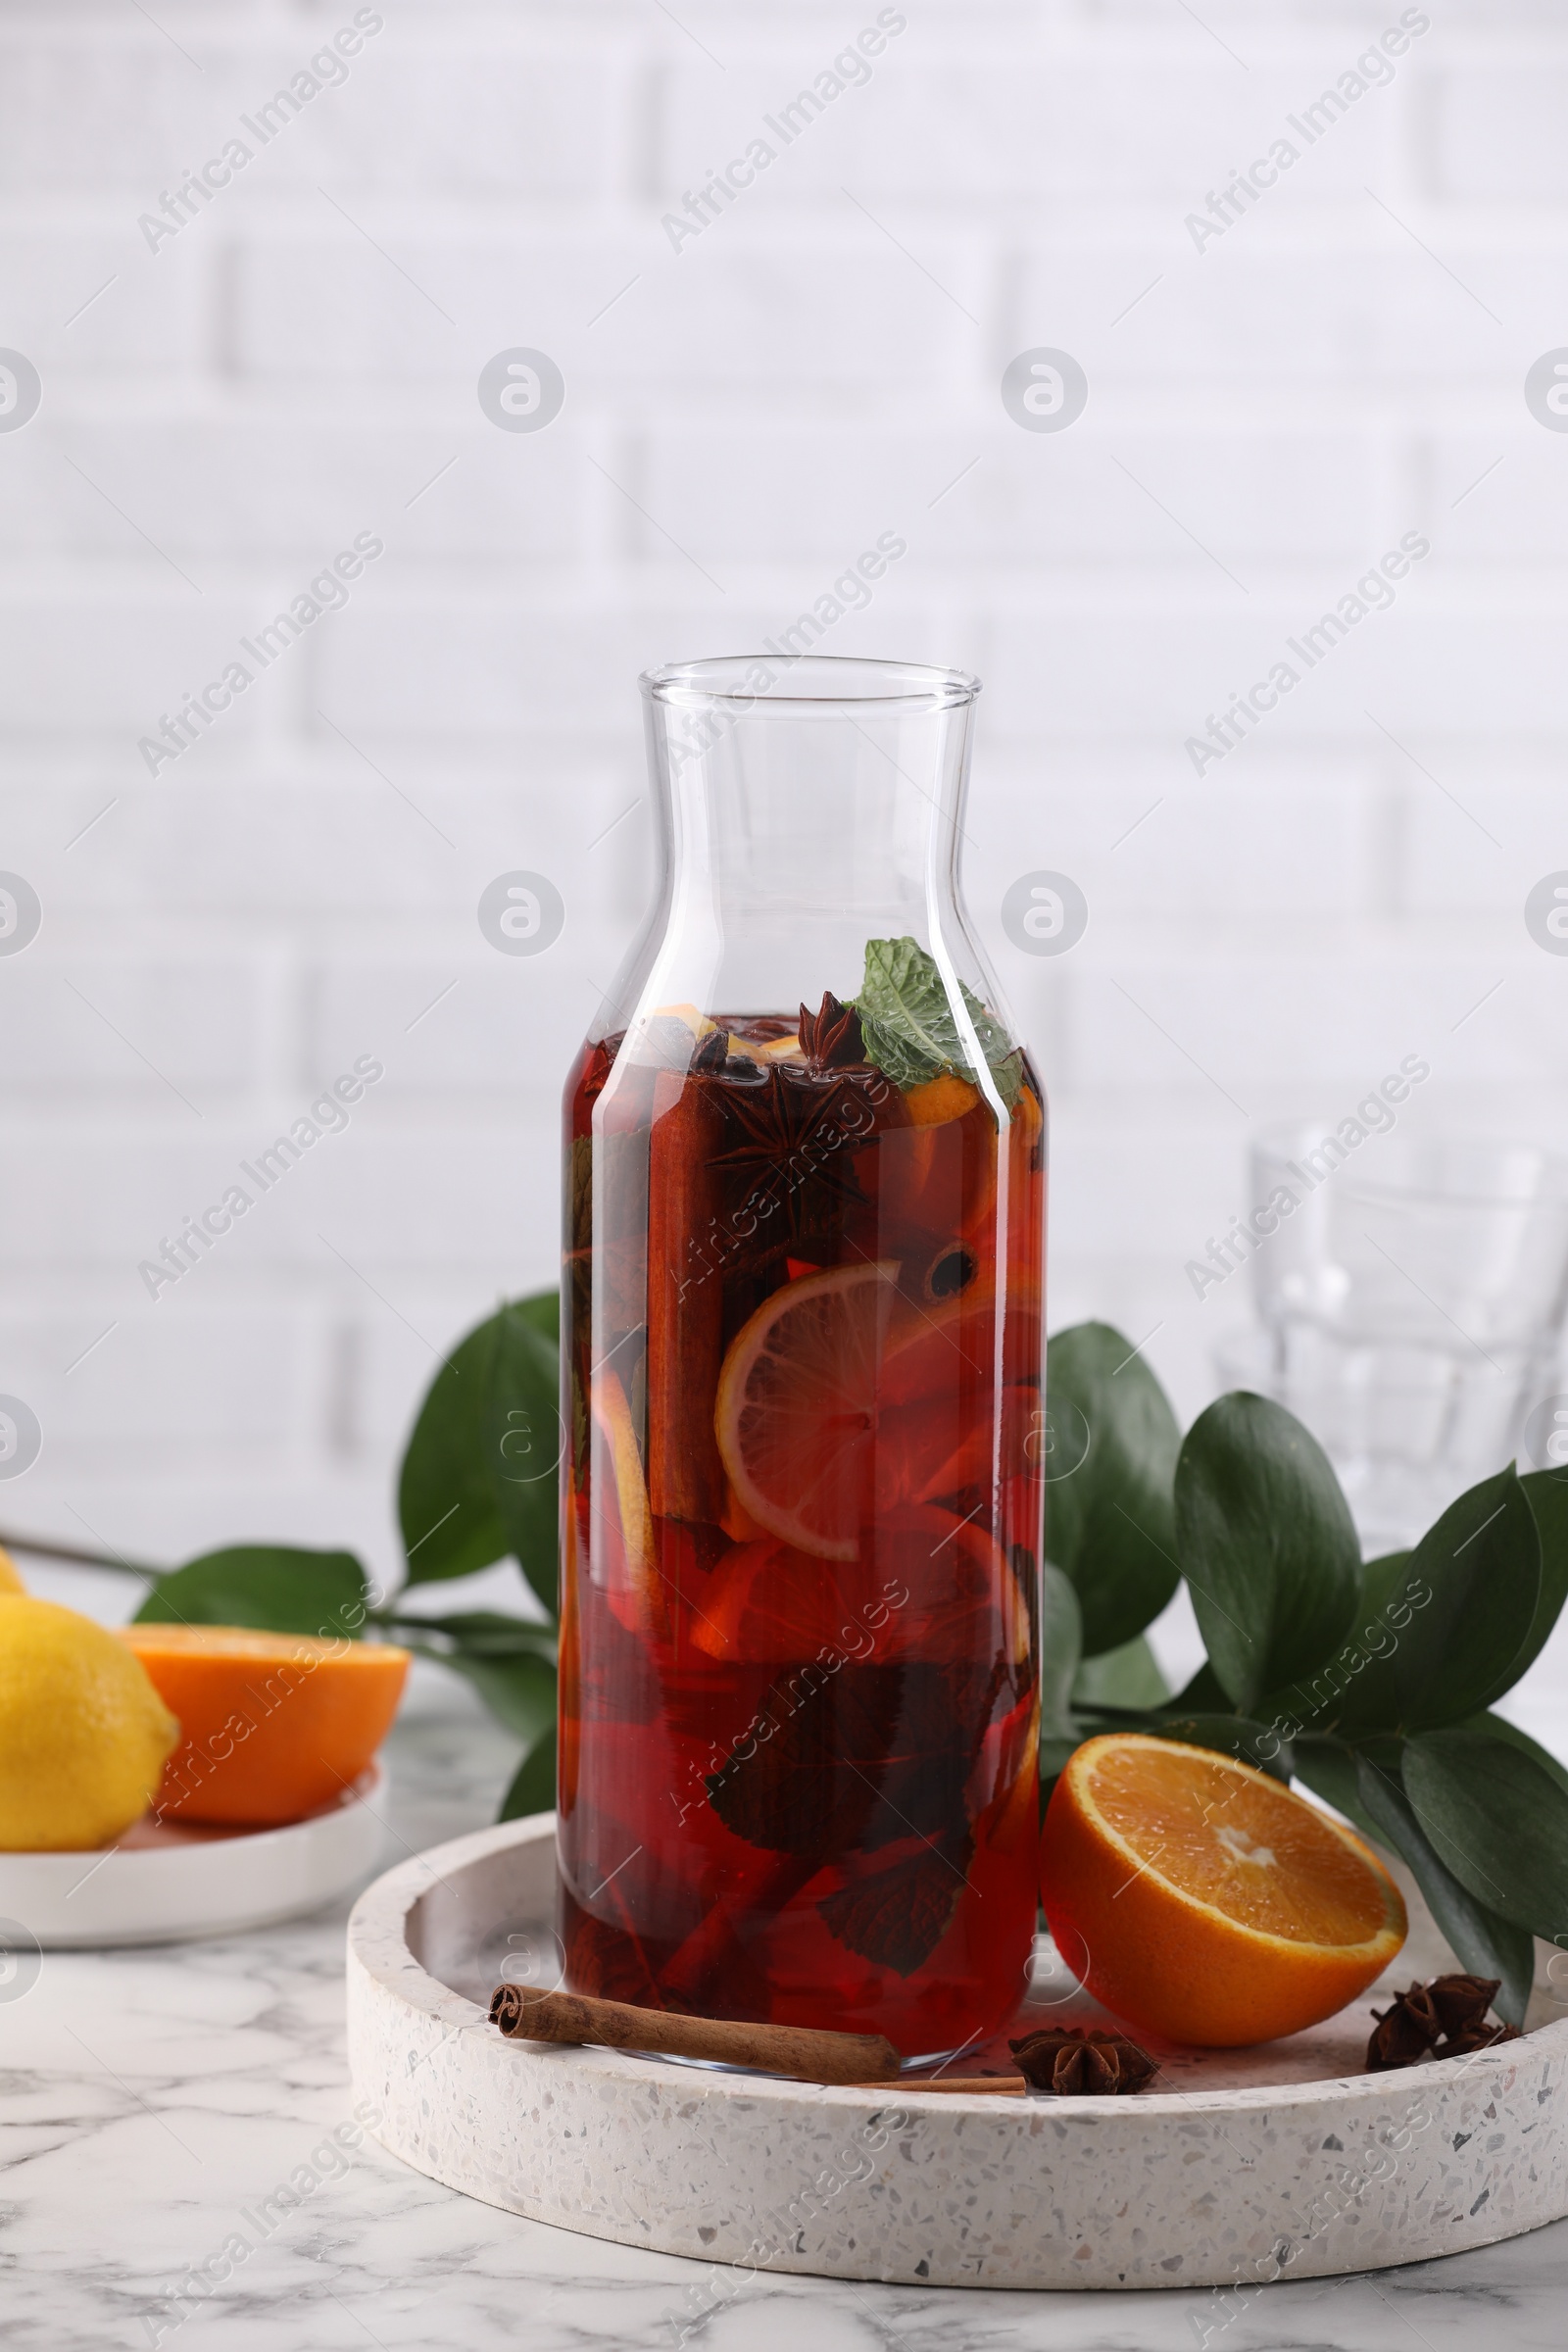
{"points": [[1002, 2087], [794, 2050]]}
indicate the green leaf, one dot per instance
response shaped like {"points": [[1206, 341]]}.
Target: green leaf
{"points": [[1486, 1943], [1229, 1735], [1127, 1677], [456, 1515], [1385, 1569], [1547, 1492], [520, 1691], [1266, 1543], [534, 1784], [1205, 1694], [1353, 1690], [1497, 1727], [1109, 1522], [446, 1496], [1060, 1646], [1499, 1822], [907, 1024], [524, 1435], [1330, 1771], [276, 1587], [1464, 1607], [485, 1632]]}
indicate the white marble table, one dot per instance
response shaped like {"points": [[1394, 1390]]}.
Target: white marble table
{"points": [[157, 2106]]}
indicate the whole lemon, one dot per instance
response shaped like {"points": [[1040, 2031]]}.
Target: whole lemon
{"points": [[83, 1733]]}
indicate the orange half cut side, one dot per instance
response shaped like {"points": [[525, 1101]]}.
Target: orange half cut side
{"points": [[1205, 1901]]}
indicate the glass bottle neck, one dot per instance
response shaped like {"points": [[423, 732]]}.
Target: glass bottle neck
{"points": [[799, 820]]}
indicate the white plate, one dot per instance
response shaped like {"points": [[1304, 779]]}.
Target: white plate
{"points": [[165, 1884], [1280, 2162]]}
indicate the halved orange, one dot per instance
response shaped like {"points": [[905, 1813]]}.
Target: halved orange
{"points": [[1203, 1901], [273, 1726]]}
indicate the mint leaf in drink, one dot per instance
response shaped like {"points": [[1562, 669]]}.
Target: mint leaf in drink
{"points": [[897, 1917], [861, 1759], [907, 1025]]}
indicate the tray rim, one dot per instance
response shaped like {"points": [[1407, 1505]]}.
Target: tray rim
{"points": [[740, 2173], [392, 1896]]}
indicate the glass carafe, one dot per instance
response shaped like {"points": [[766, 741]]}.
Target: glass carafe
{"points": [[801, 1350]]}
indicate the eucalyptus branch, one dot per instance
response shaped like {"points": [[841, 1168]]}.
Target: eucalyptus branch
{"points": [[75, 1555]]}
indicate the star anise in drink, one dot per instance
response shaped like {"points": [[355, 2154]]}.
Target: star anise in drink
{"points": [[830, 1040], [799, 1131], [1069, 2063]]}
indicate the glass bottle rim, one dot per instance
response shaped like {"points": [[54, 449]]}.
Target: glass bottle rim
{"points": [[815, 681]]}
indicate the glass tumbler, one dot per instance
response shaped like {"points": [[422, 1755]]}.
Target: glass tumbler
{"points": [[1411, 1300], [801, 1355]]}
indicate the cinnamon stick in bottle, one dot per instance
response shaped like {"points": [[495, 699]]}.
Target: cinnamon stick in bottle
{"points": [[799, 2051], [685, 1303]]}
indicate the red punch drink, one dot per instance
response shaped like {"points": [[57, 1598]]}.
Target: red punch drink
{"points": [[801, 1513]]}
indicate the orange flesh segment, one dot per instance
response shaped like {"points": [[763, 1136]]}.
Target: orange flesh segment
{"points": [[940, 1099], [274, 1725], [1253, 1852], [247, 1642]]}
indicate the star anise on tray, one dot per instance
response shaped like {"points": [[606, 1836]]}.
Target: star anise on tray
{"points": [[1072, 2063], [1482, 2037], [831, 1039], [1445, 2019]]}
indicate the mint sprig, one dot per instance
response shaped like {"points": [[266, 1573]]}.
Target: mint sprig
{"points": [[908, 1028]]}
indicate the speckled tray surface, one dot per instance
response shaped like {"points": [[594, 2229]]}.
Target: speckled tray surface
{"points": [[1285, 2161]]}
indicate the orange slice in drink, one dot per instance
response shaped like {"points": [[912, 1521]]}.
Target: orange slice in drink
{"points": [[795, 1415], [925, 1580], [1204, 1901], [624, 1541], [940, 1099]]}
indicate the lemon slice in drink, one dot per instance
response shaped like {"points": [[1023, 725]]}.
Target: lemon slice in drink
{"points": [[796, 1411]]}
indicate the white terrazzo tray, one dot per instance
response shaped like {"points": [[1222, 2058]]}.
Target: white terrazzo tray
{"points": [[1249, 2166]]}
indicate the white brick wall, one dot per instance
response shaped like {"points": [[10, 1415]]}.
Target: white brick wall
{"points": [[299, 364]]}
